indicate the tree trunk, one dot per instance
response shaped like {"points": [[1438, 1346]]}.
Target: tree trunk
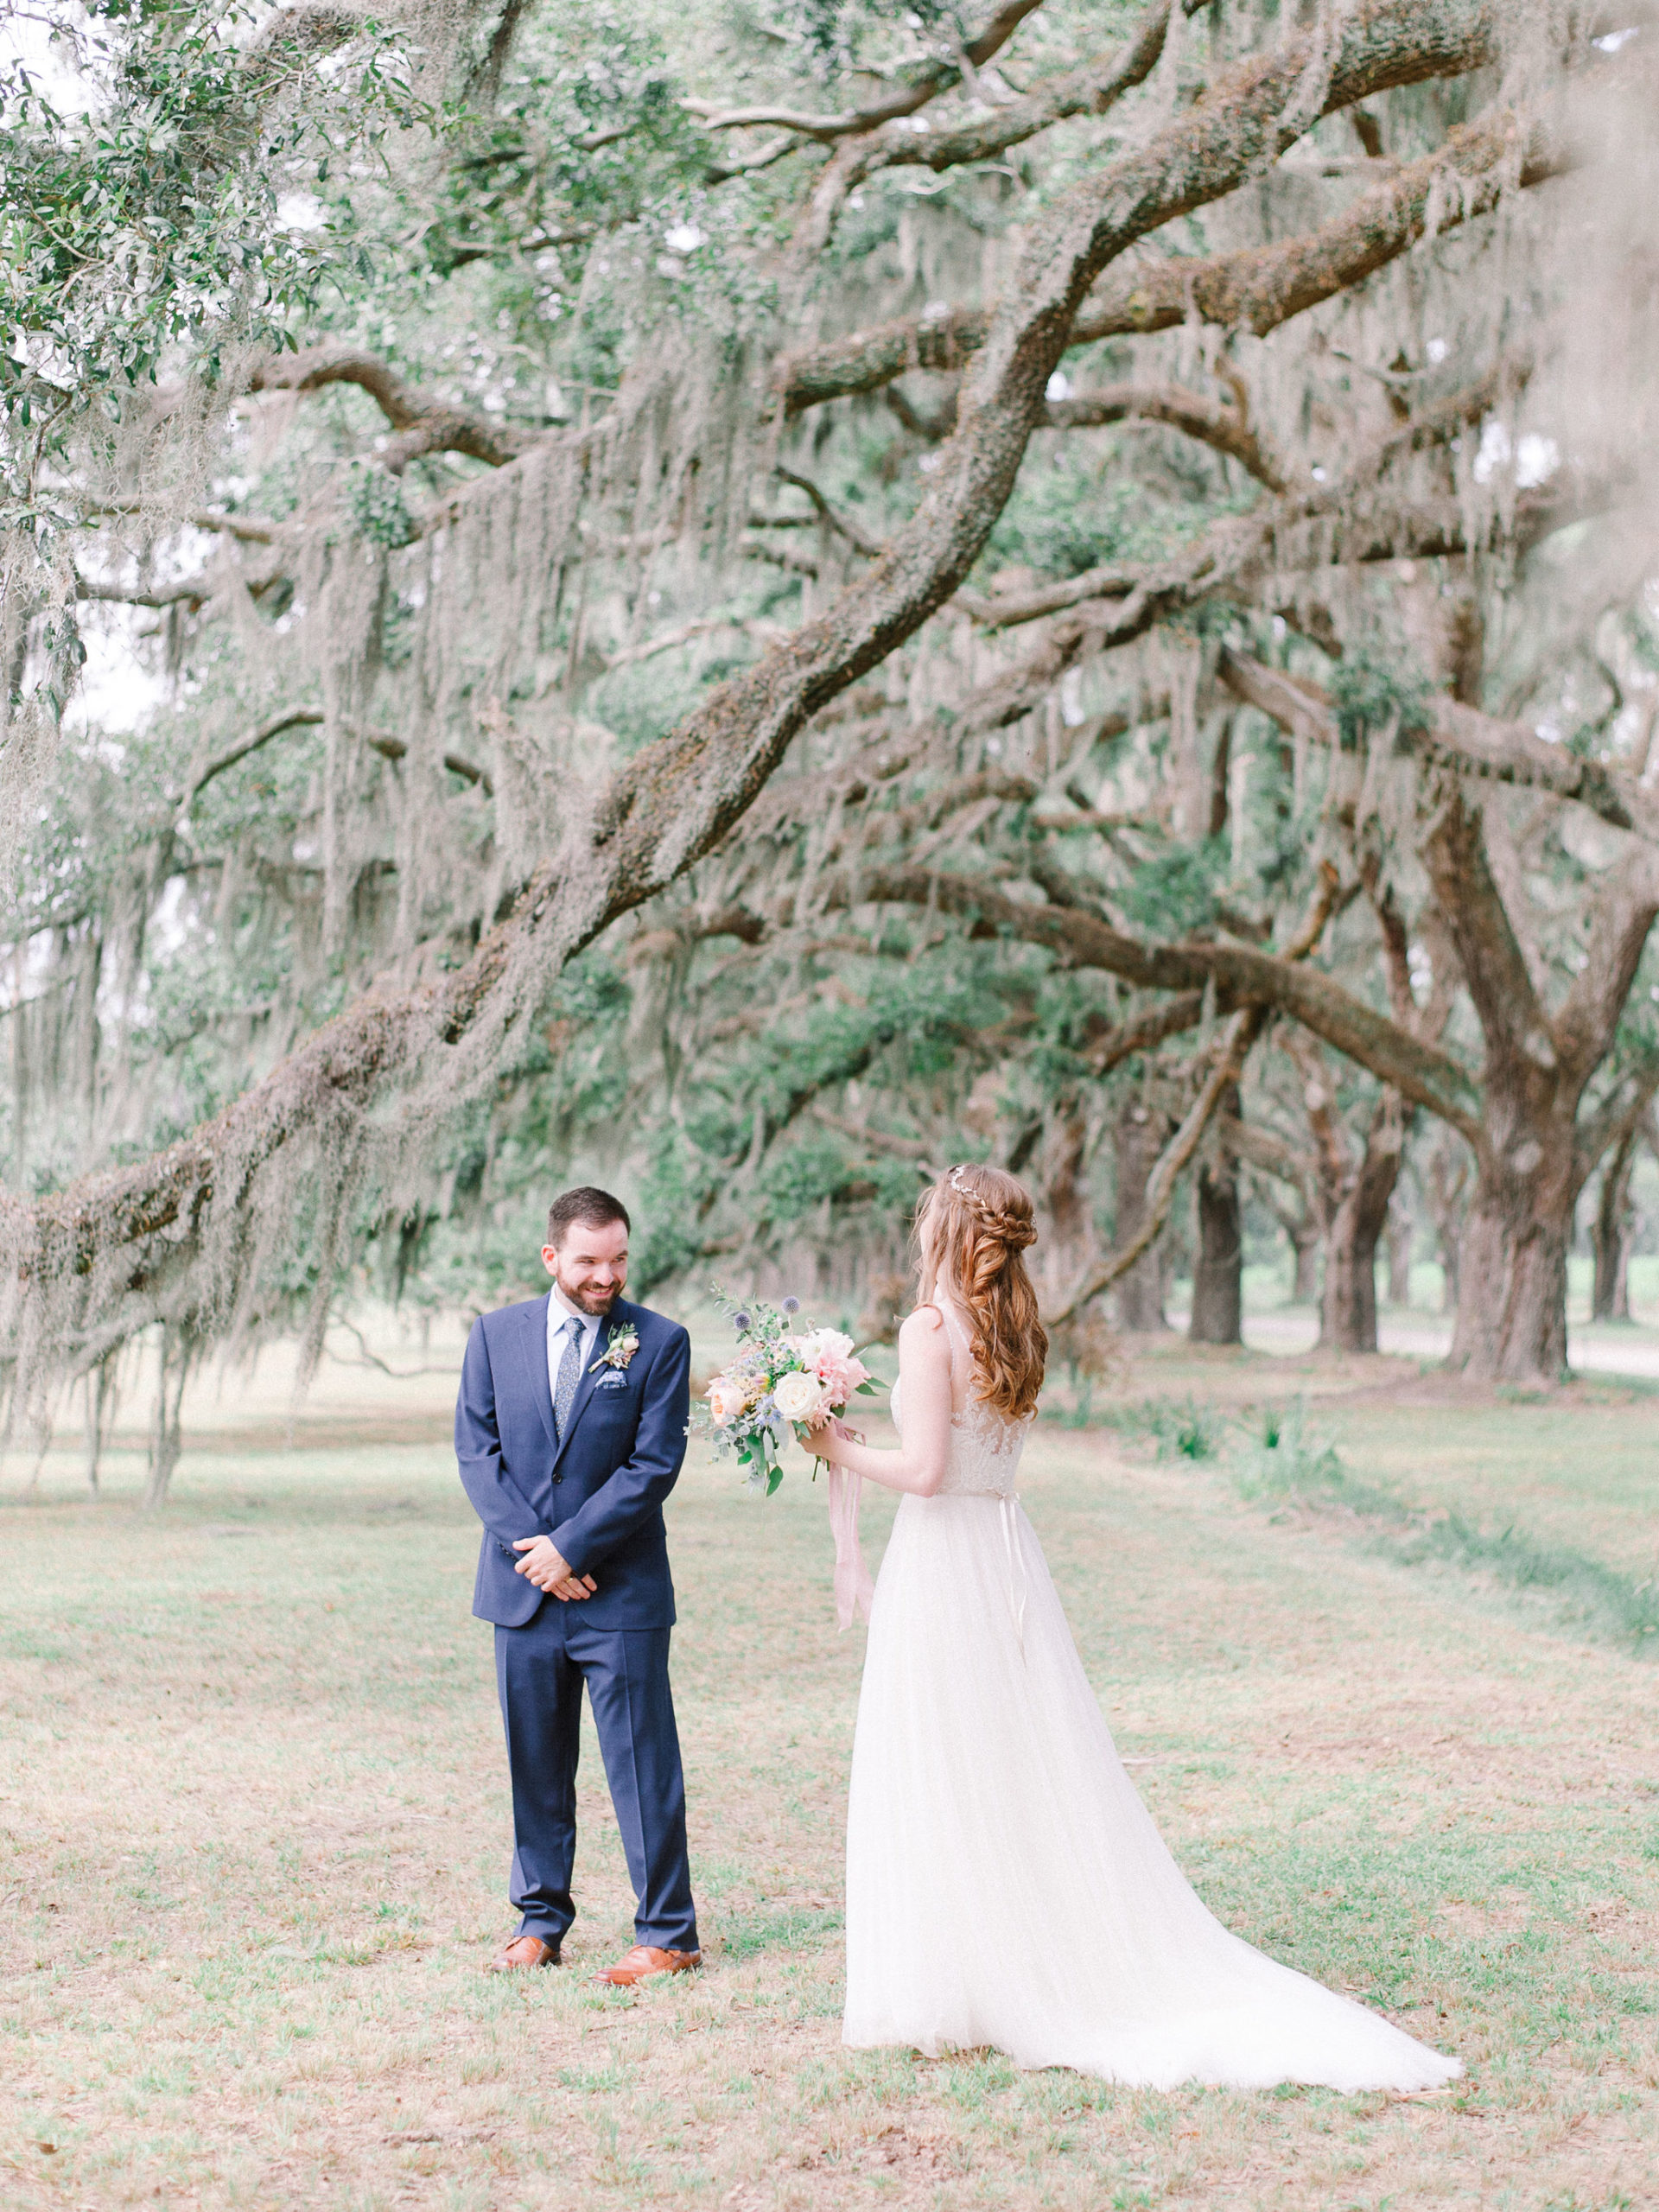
{"points": [[1511, 1321], [1531, 1160], [1218, 1272], [1451, 1262], [1305, 1249], [1609, 1235], [1445, 1183], [1302, 1234], [1064, 1195], [166, 1431], [1622, 1282], [102, 1397], [1398, 1234], [1142, 1133], [1348, 1307]]}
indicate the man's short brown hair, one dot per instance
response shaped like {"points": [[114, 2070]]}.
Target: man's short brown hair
{"points": [[594, 1208]]}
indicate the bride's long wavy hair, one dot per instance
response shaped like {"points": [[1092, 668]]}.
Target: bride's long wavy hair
{"points": [[972, 1229]]}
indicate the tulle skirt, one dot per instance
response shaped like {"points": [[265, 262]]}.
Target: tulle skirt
{"points": [[1005, 1884]]}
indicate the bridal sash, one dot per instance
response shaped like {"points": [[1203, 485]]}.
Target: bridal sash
{"points": [[1008, 1512], [854, 1588]]}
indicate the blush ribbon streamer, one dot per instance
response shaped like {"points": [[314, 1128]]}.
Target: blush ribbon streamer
{"points": [[854, 1588]]}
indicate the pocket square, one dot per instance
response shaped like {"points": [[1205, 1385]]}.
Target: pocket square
{"points": [[612, 1381]]}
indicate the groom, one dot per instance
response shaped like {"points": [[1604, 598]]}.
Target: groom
{"points": [[570, 1430]]}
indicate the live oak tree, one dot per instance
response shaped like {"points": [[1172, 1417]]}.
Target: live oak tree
{"points": [[1087, 518]]}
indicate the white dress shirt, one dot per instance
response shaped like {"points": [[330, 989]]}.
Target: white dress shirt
{"points": [[559, 1310]]}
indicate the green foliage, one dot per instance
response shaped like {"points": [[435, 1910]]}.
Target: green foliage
{"points": [[835, 36], [799, 1176], [1279, 1458], [1584, 1588], [377, 506], [1186, 1430], [1173, 893], [1073, 511], [1376, 697], [588, 137], [235, 181], [668, 1240], [153, 219]]}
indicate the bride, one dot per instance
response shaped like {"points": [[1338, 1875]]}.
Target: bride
{"points": [[1004, 1884]]}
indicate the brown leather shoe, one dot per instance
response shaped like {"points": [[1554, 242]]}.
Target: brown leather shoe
{"points": [[523, 1951], [642, 1960]]}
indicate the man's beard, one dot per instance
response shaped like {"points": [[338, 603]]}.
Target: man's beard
{"points": [[592, 1301]]}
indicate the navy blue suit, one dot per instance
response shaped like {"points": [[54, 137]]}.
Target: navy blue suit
{"points": [[598, 1492]]}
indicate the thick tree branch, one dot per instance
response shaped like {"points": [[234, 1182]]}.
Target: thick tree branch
{"points": [[194, 592], [1619, 1122], [1620, 920], [1260, 1147], [1512, 1018], [1240, 974], [1255, 289]]}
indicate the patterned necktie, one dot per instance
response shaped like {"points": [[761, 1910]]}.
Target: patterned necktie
{"points": [[564, 1389]]}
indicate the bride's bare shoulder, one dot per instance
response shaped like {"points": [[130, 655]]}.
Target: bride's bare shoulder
{"points": [[924, 1326]]}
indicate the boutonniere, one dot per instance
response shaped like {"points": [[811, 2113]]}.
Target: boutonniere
{"points": [[620, 1347]]}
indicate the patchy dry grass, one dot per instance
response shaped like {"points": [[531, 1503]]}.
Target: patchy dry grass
{"points": [[255, 1838]]}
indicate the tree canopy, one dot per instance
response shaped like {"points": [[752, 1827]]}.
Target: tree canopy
{"points": [[756, 600]]}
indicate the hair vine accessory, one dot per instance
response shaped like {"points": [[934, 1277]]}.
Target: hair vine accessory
{"points": [[1009, 1228]]}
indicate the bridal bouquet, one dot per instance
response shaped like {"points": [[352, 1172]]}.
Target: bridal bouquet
{"points": [[778, 1381]]}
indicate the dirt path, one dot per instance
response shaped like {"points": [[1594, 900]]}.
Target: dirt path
{"points": [[1422, 1336]]}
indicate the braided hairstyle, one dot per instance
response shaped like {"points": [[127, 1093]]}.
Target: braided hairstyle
{"points": [[977, 1227]]}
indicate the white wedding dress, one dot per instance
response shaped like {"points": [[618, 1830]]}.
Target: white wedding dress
{"points": [[1005, 1884]]}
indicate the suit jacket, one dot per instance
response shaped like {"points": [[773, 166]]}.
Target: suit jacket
{"points": [[597, 1492]]}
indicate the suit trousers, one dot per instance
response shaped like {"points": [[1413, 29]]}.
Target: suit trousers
{"points": [[540, 1669]]}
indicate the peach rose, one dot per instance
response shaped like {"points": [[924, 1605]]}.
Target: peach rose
{"points": [[726, 1400]]}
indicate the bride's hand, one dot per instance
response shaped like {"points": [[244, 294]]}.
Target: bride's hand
{"points": [[825, 1438]]}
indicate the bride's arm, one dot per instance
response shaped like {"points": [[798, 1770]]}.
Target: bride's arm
{"points": [[919, 1464]]}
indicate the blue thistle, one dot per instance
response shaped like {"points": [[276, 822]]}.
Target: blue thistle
{"points": [[791, 1306], [741, 1323]]}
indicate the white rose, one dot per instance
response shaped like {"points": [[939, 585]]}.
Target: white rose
{"points": [[797, 1396]]}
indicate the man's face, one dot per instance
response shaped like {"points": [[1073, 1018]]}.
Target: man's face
{"points": [[591, 1265]]}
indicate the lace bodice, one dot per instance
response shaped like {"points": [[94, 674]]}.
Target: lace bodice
{"points": [[985, 1445]]}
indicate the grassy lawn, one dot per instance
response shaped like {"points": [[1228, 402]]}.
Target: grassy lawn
{"points": [[255, 1831]]}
